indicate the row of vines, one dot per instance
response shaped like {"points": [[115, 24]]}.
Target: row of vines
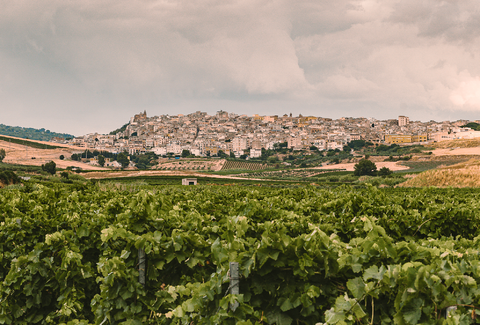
{"points": [[233, 164], [305, 255]]}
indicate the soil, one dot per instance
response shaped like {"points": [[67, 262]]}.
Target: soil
{"points": [[394, 166], [24, 155]]}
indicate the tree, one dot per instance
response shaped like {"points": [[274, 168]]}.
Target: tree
{"points": [[122, 159], [2, 154], [142, 162], [272, 160], [62, 157], [185, 153], [357, 144], [365, 167], [384, 171], [101, 160], [50, 167]]}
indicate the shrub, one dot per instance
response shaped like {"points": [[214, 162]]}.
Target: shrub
{"points": [[365, 167]]}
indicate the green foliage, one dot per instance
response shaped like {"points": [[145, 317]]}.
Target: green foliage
{"points": [[3, 154], [365, 167], [185, 153], [101, 160], [306, 256], [472, 125], [121, 129], [8, 177], [122, 159], [31, 133], [50, 167], [357, 144], [142, 161], [384, 171]]}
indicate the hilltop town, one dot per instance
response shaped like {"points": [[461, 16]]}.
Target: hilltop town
{"points": [[205, 135]]}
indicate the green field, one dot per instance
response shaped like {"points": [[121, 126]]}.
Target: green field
{"points": [[97, 255]]}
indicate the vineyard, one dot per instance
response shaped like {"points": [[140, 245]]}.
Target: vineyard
{"points": [[82, 255], [229, 164], [290, 173]]}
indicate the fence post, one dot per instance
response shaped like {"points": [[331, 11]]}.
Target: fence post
{"points": [[142, 261], [234, 282]]}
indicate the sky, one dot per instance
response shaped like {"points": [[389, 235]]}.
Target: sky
{"points": [[88, 66]]}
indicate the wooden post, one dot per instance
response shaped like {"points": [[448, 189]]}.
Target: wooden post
{"points": [[142, 261], [234, 282]]}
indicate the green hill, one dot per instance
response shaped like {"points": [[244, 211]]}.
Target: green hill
{"points": [[31, 133]]}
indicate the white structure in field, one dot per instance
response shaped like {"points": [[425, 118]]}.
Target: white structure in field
{"points": [[189, 181]]}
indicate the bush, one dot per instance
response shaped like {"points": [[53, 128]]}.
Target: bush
{"points": [[8, 177], [365, 167], [384, 171], [50, 167]]}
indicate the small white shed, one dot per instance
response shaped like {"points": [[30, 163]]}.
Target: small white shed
{"points": [[189, 181]]}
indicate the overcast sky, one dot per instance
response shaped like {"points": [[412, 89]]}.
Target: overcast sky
{"points": [[86, 66]]}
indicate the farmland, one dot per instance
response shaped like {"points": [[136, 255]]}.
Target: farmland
{"points": [[74, 255]]}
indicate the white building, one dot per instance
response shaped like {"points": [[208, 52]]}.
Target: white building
{"points": [[239, 144], [403, 120], [255, 153]]}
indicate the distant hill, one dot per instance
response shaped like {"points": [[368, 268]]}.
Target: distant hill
{"points": [[31, 133]]}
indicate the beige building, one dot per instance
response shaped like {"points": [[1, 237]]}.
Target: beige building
{"points": [[239, 144], [397, 138], [420, 138], [295, 143], [403, 120]]}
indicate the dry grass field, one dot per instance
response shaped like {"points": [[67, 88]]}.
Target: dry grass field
{"points": [[350, 166], [25, 155], [460, 143], [465, 174]]}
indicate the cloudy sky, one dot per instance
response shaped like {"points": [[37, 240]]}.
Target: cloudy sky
{"points": [[86, 66]]}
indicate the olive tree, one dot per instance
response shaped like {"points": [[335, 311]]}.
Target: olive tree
{"points": [[365, 167]]}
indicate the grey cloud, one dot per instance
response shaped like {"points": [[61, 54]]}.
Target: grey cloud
{"points": [[453, 20], [251, 55]]}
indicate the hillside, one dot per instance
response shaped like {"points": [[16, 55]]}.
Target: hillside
{"points": [[465, 174], [31, 133], [36, 153], [459, 143]]}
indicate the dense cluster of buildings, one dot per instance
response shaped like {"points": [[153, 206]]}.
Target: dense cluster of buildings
{"points": [[204, 135]]}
